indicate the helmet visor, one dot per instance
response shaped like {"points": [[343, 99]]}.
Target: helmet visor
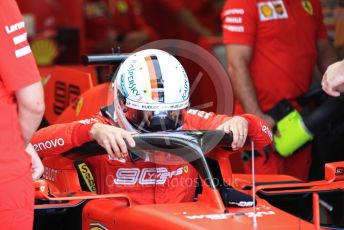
{"points": [[152, 121]]}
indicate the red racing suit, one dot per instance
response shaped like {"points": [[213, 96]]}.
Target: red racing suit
{"points": [[146, 182]]}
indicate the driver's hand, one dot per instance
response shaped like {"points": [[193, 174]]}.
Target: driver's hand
{"points": [[37, 167], [239, 127], [112, 139]]}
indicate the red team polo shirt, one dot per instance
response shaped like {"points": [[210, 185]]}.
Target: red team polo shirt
{"points": [[17, 70], [283, 35]]}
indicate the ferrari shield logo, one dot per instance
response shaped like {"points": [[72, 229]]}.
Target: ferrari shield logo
{"points": [[186, 169], [307, 6]]}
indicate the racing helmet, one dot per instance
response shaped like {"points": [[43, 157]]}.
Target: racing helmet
{"points": [[151, 92]]}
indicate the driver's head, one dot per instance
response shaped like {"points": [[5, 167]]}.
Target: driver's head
{"points": [[151, 92]]}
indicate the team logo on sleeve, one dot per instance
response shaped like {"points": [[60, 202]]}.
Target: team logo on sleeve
{"points": [[272, 10], [49, 144], [19, 39], [267, 11]]}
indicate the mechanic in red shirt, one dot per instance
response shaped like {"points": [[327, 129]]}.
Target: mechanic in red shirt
{"points": [[115, 23], [151, 94], [272, 49], [22, 107]]}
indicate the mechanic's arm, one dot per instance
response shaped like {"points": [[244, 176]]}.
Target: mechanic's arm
{"points": [[59, 138], [326, 55], [30, 109], [239, 57]]}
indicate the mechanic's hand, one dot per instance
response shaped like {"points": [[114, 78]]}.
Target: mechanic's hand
{"points": [[37, 166], [333, 79], [239, 127], [112, 139]]}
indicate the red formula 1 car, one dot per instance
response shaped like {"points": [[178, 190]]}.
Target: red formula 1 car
{"points": [[223, 200], [66, 198]]}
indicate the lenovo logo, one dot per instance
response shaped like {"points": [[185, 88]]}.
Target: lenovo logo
{"points": [[49, 144]]}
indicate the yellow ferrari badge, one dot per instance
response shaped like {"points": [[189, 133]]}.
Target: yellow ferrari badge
{"points": [[307, 6], [186, 169]]}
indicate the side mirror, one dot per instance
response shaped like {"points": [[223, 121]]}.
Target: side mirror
{"points": [[334, 171]]}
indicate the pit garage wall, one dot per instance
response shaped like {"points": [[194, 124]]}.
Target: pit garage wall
{"points": [[50, 15]]}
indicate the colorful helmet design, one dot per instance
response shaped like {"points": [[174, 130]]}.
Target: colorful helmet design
{"points": [[151, 92]]}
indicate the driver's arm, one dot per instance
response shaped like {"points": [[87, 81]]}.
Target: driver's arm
{"points": [[59, 138], [256, 129]]}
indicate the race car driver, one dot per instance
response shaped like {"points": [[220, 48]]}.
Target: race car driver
{"points": [[151, 93]]}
